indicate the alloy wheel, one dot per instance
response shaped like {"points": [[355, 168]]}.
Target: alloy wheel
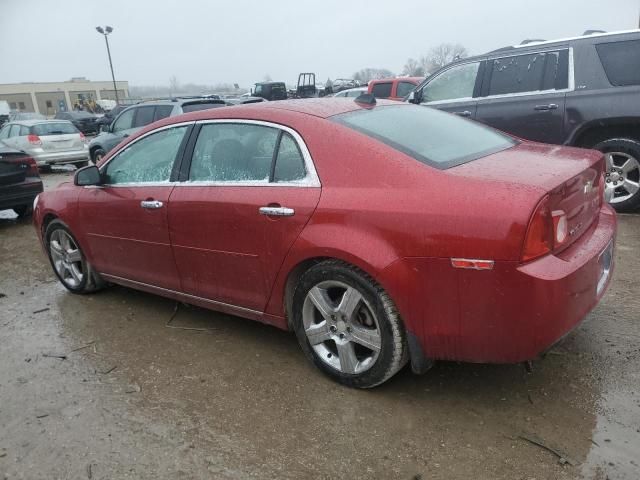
{"points": [[622, 180], [341, 327], [66, 258]]}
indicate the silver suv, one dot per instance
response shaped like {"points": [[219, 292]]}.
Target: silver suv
{"points": [[138, 116]]}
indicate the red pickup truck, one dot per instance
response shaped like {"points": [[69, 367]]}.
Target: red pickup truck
{"points": [[393, 88]]}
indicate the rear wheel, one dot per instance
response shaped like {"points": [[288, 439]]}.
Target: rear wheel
{"points": [[348, 326], [45, 168], [82, 164], [622, 181], [68, 262]]}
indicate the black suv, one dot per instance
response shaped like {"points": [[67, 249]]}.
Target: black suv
{"points": [[582, 91]]}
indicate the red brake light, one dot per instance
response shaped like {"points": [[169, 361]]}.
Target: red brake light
{"points": [[539, 238], [32, 171], [34, 139]]}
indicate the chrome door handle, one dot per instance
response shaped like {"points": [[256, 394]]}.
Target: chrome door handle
{"points": [[151, 204], [551, 106], [277, 211], [465, 113]]}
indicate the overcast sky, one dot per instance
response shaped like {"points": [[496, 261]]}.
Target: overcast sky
{"points": [[241, 41]]}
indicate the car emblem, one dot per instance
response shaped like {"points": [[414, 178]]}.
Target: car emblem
{"points": [[588, 187]]}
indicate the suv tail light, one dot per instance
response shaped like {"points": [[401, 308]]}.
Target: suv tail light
{"points": [[83, 138], [34, 139], [547, 230]]}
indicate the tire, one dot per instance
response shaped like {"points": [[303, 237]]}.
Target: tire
{"points": [[45, 168], [23, 210], [68, 262], [357, 311], [97, 155], [81, 164], [622, 157]]}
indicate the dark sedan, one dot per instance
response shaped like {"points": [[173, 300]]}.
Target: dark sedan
{"points": [[86, 122], [20, 182]]}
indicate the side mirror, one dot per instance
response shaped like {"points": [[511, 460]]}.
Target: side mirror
{"points": [[87, 176], [415, 97], [105, 127]]}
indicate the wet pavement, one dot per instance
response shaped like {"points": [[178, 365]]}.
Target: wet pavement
{"points": [[101, 387]]}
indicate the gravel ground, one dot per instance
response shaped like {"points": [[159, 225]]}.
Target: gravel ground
{"points": [[222, 397]]}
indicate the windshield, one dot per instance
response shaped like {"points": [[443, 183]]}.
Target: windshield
{"points": [[435, 138], [53, 128]]}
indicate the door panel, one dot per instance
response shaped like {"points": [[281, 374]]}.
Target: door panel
{"points": [[127, 240], [466, 109], [225, 249], [537, 117]]}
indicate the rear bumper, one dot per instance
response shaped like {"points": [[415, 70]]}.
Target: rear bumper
{"points": [[20, 194], [68, 156], [511, 313]]}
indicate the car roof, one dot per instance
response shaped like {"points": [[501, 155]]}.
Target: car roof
{"points": [[318, 107], [400, 79], [31, 123]]}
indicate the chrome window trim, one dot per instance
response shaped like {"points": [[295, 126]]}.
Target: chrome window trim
{"points": [[570, 83], [311, 178], [133, 142]]}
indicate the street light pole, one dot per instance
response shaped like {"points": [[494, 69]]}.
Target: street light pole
{"points": [[106, 31]]}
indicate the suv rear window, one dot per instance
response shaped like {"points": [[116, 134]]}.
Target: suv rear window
{"points": [[196, 106], [57, 128], [621, 62], [431, 136]]}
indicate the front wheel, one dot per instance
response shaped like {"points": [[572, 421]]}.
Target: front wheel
{"points": [[622, 180], [98, 155], [68, 262], [348, 326], [23, 210]]}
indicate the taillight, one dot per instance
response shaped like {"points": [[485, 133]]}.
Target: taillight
{"points": [[34, 139], [83, 138], [539, 238], [32, 171], [547, 230]]}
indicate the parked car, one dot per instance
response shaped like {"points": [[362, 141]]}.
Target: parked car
{"points": [[16, 116], [110, 115], [352, 92], [49, 142], [340, 84], [582, 91], [19, 180], [270, 90], [132, 119], [86, 122], [242, 100], [393, 88], [365, 246]]}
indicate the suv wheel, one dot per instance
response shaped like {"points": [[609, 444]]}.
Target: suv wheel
{"points": [[98, 155], [622, 158]]}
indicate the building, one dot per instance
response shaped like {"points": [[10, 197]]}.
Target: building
{"points": [[48, 98]]}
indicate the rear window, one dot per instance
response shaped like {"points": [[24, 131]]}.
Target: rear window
{"points": [[621, 62], [57, 128], [194, 107], [433, 137], [381, 90]]}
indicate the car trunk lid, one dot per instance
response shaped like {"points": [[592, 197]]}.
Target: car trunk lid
{"points": [[14, 167], [58, 142], [571, 177]]}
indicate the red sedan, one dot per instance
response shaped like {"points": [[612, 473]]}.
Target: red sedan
{"points": [[379, 233]]}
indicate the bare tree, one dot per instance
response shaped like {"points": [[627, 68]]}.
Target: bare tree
{"points": [[442, 55], [174, 85], [366, 74], [413, 68]]}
